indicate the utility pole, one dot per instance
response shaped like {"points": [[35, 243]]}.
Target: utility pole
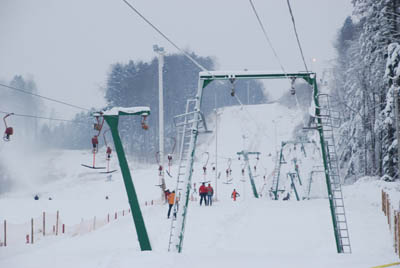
{"points": [[160, 51], [216, 146], [216, 153]]}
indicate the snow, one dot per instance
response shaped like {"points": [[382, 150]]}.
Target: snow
{"points": [[127, 110], [247, 233]]}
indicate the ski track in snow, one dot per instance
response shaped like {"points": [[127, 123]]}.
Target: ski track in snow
{"points": [[246, 233]]}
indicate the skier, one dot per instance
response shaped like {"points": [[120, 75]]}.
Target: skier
{"points": [[234, 194], [171, 201], [210, 193], [203, 193]]}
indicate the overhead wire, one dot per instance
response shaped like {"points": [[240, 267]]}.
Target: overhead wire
{"points": [[266, 36], [41, 117], [43, 97], [165, 37], [300, 48], [297, 36], [272, 47]]}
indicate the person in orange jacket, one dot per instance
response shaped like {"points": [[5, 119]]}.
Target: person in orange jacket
{"points": [[234, 194], [171, 202], [203, 193]]}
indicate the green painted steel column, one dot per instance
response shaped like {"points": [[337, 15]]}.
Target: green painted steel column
{"points": [[291, 175], [253, 185], [325, 161], [143, 238]]}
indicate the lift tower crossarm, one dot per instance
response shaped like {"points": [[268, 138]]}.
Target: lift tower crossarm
{"points": [[112, 117], [246, 159], [225, 75]]}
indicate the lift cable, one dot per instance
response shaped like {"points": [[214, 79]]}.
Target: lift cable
{"points": [[43, 97], [266, 36], [41, 117], [166, 38], [297, 36]]}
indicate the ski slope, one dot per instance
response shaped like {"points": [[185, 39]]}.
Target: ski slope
{"points": [[246, 233]]}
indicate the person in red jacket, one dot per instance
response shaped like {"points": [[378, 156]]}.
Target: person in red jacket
{"points": [[203, 194], [210, 193], [234, 194]]}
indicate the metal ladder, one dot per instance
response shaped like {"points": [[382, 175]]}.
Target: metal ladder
{"points": [[188, 122], [277, 170], [275, 178], [329, 120]]}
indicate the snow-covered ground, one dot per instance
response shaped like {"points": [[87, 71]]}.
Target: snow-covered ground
{"points": [[246, 233]]}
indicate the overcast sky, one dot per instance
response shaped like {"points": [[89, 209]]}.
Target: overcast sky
{"points": [[68, 46]]}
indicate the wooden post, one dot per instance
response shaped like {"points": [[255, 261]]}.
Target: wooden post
{"points": [[5, 233], [383, 201], [44, 223], [108, 217], [115, 217], [123, 212], [63, 228], [32, 231], [398, 233], [94, 223], [57, 222], [395, 232]]}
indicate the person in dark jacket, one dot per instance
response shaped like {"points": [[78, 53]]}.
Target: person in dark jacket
{"points": [[203, 194], [210, 193]]}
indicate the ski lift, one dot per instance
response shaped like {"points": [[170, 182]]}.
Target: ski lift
{"points": [[169, 157], [213, 166], [144, 125], [9, 130], [205, 164], [160, 168], [228, 172], [232, 79], [108, 154], [98, 125], [95, 141], [255, 166], [292, 88]]}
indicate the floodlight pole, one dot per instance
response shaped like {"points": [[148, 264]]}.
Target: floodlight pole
{"points": [[160, 51], [216, 152], [144, 241]]}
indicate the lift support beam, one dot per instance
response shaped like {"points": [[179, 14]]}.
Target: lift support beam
{"points": [[246, 159], [112, 118]]}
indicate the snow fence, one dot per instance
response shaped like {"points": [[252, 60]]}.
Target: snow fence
{"points": [[50, 225], [393, 219]]}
